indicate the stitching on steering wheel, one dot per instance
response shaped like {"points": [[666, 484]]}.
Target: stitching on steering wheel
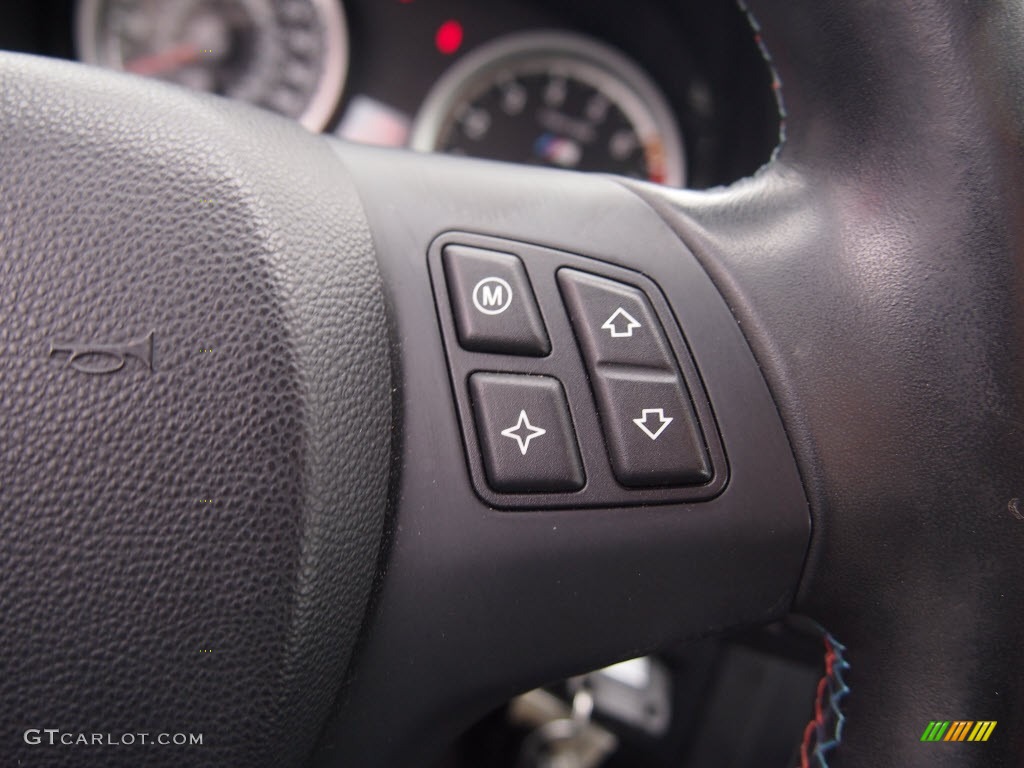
{"points": [[776, 79], [825, 731]]}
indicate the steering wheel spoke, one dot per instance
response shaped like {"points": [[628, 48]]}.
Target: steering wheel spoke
{"points": [[486, 595]]}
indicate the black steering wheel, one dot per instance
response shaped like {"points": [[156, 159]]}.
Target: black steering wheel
{"points": [[269, 402]]}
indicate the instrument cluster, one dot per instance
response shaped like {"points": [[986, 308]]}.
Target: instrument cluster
{"points": [[674, 93]]}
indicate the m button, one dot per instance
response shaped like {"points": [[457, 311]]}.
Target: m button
{"points": [[494, 306]]}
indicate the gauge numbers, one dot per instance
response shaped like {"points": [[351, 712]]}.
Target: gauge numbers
{"points": [[553, 99]]}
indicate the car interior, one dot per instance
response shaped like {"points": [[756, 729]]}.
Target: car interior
{"points": [[521, 384]]}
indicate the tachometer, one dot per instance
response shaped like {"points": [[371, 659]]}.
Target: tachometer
{"points": [[558, 99], [289, 56]]}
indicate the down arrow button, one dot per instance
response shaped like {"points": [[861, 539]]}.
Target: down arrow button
{"points": [[659, 422], [649, 424]]}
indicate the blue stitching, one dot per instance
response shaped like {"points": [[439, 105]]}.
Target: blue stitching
{"points": [[838, 689]]}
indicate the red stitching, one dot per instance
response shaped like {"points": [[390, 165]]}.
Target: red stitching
{"points": [[818, 722]]}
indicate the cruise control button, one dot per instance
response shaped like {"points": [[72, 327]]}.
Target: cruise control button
{"points": [[494, 306], [614, 322], [652, 433], [525, 433]]}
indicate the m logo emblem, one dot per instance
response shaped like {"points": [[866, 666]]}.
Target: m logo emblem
{"points": [[104, 358], [492, 296]]}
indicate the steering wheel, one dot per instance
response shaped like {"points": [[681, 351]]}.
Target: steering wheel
{"points": [[255, 483]]}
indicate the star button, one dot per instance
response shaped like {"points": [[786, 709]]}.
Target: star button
{"points": [[523, 432]]}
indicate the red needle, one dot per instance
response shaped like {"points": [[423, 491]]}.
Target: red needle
{"points": [[164, 61]]}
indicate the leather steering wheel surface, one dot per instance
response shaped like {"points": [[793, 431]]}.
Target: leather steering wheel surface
{"points": [[247, 489]]}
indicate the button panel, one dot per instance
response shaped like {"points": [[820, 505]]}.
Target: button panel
{"points": [[495, 309], [598, 404], [526, 433]]}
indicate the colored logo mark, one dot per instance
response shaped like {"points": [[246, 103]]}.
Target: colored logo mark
{"points": [[958, 730]]}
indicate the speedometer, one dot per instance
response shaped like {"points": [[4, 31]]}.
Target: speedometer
{"points": [[557, 99], [289, 56]]}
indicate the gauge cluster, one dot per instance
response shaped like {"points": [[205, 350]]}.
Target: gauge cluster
{"points": [[289, 56], [553, 98], [670, 91]]}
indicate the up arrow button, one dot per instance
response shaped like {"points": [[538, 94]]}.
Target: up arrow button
{"points": [[621, 324], [614, 322]]}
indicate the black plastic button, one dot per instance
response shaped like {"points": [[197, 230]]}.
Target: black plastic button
{"points": [[652, 434], [614, 322], [526, 433], [495, 309]]}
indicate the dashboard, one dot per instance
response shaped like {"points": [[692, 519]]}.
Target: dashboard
{"points": [[589, 86]]}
